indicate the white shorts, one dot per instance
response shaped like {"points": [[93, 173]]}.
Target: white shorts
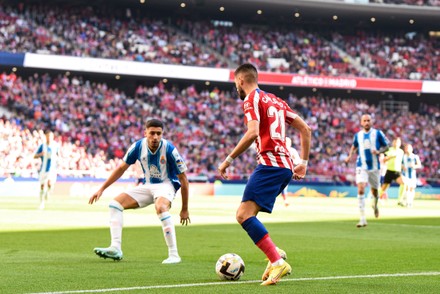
{"points": [[371, 177], [147, 194], [411, 183], [44, 177]]}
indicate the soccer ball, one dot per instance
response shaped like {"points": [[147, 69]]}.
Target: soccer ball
{"points": [[229, 266]]}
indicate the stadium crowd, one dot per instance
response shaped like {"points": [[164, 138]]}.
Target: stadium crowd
{"points": [[96, 124], [300, 49], [84, 33], [272, 49], [394, 55]]}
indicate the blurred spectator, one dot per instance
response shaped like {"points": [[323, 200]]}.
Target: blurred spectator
{"points": [[398, 55]]}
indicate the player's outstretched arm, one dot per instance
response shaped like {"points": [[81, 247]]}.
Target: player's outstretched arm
{"points": [[96, 196], [245, 142], [306, 138], [418, 163], [38, 155], [350, 154], [116, 174], [382, 149], [299, 172], [184, 190]]}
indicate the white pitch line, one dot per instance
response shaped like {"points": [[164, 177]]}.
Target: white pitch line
{"points": [[412, 226], [243, 282], [399, 225]]}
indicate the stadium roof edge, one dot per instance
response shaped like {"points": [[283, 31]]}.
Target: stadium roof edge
{"points": [[350, 10], [347, 9]]}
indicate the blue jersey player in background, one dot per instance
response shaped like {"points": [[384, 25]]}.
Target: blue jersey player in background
{"points": [[164, 171], [369, 143], [48, 151], [411, 162]]}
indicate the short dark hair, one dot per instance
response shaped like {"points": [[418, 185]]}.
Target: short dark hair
{"points": [[249, 71], [154, 123]]}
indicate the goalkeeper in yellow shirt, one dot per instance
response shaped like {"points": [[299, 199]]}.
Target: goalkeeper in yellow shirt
{"points": [[393, 160]]}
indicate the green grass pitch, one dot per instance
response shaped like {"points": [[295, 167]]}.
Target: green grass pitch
{"points": [[50, 251]]}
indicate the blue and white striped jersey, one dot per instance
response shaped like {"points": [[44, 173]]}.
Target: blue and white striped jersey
{"points": [[162, 166], [365, 142], [49, 159], [410, 160]]}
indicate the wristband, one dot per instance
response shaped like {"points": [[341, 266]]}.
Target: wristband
{"points": [[304, 162], [229, 159]]}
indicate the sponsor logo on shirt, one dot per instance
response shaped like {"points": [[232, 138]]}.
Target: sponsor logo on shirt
{"points": [[154, 172], [367, 144]]}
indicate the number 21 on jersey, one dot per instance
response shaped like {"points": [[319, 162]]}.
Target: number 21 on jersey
{"points": [[278, 123]]}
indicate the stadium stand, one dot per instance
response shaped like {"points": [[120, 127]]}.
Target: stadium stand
{"points": [[279, 48], [95, 140], [96, 121], [394, 54]]}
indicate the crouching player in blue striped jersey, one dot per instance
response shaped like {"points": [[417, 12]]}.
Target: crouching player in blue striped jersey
{"points": [[164, 171], [369, 143]]}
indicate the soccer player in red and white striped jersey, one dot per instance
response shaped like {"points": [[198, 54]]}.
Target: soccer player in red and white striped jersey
{"points": [[266, 117], [271, 141]]}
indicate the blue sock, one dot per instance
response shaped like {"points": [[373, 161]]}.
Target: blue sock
{"points": [[254, 228]]}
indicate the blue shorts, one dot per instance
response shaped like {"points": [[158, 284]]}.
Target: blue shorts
{"points": [[265, 184]]}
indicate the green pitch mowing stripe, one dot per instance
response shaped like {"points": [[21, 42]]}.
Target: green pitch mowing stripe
{"points": [[326, 257], [284, 280], [52, 250], [21, 213]]}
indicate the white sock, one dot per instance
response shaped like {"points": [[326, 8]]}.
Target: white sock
{"points": [[169, 233], [116, 221], [42, 193], [361, 201], [278, 262], [410, 197], [405, 197], [47, 192]]}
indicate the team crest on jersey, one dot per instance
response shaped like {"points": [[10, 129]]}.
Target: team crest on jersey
{"points": [[154, 172], [247, 106], [162, 160]]}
